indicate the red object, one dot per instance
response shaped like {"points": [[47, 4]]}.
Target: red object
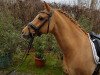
{"points": [[39, 62]]}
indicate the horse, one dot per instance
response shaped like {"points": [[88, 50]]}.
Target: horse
{"points": [[72, 39]]}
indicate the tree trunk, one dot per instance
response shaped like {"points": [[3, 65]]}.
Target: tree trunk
{"points": [[93, 4], [79, 3]]}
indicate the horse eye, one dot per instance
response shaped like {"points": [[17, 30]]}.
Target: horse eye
{"points": [[41, 18]]}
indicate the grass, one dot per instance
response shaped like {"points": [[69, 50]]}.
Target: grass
{"points": [[52, 67]]}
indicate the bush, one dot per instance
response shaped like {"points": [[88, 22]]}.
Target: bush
{"points": [[5, 59], [10, 39], [46, 42], [25, 10], [52, 43], [85, 23], [40, 42]]}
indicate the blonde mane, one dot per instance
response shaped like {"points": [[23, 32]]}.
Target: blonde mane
{"points": [[73, 20]]}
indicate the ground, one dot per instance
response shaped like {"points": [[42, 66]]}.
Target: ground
{"points": [[52, 67]]}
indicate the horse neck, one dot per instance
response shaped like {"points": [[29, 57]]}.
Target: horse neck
{"points": [[68, 34]]}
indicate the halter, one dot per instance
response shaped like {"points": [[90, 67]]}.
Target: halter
{"points": [[37, 29]]}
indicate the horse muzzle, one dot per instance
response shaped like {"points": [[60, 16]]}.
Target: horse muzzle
{"points": [[25, 36]]}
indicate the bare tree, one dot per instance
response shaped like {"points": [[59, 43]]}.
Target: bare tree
{"points": [[80, 3], [93, 4], [85, 3]]}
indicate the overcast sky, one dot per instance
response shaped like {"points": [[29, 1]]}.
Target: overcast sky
{"points": [[63, 1]]}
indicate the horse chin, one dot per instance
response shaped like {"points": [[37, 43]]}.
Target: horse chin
{"points": [[26, 36]]}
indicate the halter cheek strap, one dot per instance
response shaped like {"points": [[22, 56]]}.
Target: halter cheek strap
{"points": [[38, 28]]}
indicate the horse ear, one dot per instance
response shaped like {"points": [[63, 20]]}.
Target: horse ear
{"points": [[47, 7]]}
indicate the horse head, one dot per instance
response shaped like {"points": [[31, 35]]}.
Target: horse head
{"points": [[42, 23]]}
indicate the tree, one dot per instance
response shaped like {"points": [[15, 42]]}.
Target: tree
{"points": [[79, 3], [93, 4]]}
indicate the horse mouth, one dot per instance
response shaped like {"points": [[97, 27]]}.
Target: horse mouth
{"points": [[25, 36]]}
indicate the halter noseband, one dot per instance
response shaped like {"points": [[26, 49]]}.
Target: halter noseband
{"points": [[38, 28]]}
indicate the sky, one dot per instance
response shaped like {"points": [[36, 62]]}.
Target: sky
{"points": [[74, 2], [62, 1]]}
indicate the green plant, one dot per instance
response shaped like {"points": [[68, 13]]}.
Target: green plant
{"points": [[52, 43], [10, 40], [40, 46], [5, 59]]}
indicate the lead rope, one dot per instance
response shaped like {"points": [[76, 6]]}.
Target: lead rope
{"points": [[23, 58]]}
